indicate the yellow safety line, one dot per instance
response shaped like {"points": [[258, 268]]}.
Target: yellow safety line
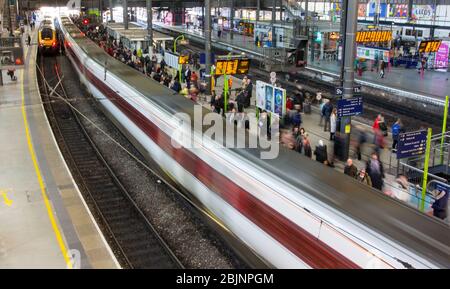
{"points": [[59, 238]]}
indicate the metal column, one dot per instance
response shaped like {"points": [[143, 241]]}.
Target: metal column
{"points": [[125, 14], [348, 72], [258, 9], [410, 9], [207, 29], [150, 26], [274, 9], [111, 8], [232, 19]]}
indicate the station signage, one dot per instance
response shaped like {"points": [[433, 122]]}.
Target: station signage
{"points": [[350, 106], [340, 90], [411, 144], [373, 36], [429, 46], [232, 66]]}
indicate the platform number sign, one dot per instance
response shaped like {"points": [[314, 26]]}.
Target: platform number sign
{"points": [[340, 90]]}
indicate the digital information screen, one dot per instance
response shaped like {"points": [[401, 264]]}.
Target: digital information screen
{"points": [[183, 59], [429, 46], [232, 66], [373, 36]]}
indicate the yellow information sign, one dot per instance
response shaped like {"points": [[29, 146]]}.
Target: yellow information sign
{"points": [[373, 36], [183, 59], [429, 46], [232, 66]]}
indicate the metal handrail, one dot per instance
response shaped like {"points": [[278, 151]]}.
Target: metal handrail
{"points": [[421, 171]]}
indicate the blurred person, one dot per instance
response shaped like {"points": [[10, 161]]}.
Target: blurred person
{"points": [[374, 169], [321, 152], [307, 146], [440, 205]]}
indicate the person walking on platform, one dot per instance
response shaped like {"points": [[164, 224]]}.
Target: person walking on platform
{"points": [[382, 66], [28, 40], [187, 77], [333, 121], [350, 169], [440, 205], [326, 111], [397, 129], [364, 178], [374, 169]]}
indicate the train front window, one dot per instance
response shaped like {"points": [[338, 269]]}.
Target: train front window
{"points": [[47, 33]]}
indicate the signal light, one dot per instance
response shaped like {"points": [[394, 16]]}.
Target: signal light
{"points": [[18, 61], [86, 21]]}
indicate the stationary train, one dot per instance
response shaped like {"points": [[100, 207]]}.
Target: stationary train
{"points": [[48, 39], [291, 212]]}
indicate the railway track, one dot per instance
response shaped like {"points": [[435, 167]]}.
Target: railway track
{"points": [[133, 238]]}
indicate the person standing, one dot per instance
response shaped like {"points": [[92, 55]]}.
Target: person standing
{"points": [[440, 205], [350, 169], [321, 152], [326, 111], [364, 178], [333, 123], [28, 40]]}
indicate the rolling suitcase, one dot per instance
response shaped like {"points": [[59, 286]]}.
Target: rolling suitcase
{"points": [[306, 108]]}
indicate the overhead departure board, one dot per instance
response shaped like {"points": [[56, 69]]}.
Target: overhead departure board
{"points": [[373, 36], [429, 46], [232, 66]]}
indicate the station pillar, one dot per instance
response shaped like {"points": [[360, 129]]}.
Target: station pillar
{"points": [[111, 8], [232, 19], [207, 29], [347, 71], [125, 14], [150, 25], [178, 13]]}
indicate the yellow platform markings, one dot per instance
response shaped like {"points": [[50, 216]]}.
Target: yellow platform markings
{"points": [[6, 200], [48, 206]]}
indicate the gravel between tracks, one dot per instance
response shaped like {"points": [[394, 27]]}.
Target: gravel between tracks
{"points": [[192, 241]]}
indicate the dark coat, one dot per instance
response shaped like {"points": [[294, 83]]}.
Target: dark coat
{"points": [[351, 171], [375, 176], [327, 109], [321, 153]]}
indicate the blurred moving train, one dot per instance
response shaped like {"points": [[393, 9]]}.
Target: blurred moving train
{"points": [[48, 39], [289, 211]]}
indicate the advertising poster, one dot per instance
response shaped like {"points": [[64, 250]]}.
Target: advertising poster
{"points": [[372, 9], [422, 12], [260, 94], [362, 10], [441, 61], [269, 98], [398, 10], [278, 101]]}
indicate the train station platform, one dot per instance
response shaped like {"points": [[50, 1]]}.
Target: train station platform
{"points": [[398, 80], [238, 44], [45, 223]]}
